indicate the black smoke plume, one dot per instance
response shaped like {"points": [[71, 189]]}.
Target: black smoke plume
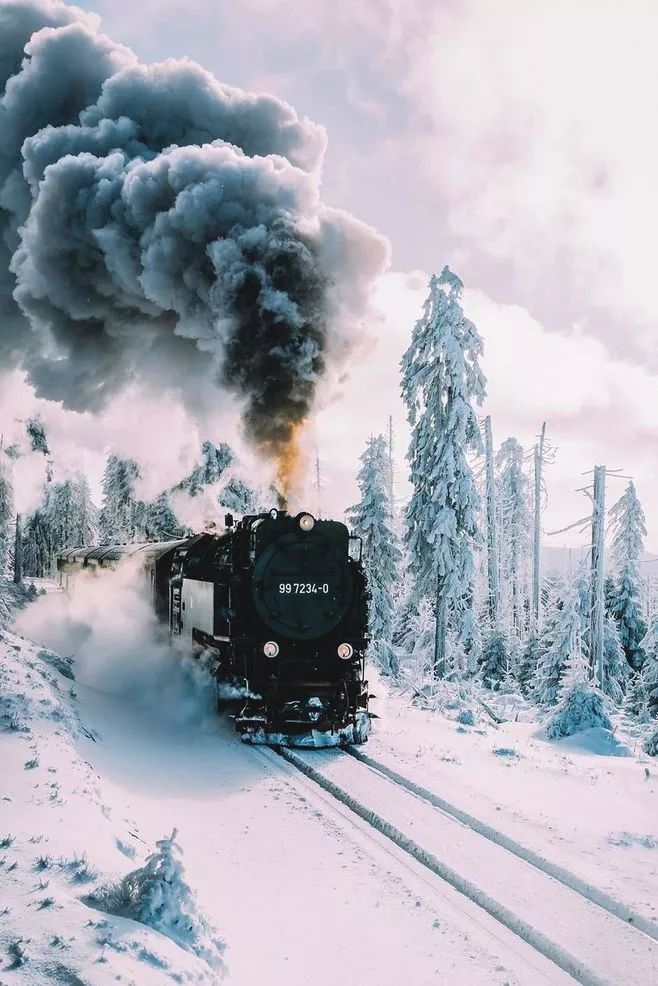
{"points": [[156, 225]]}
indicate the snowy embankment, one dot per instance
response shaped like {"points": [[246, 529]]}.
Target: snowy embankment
{"points": [[588, 803], [93, 779], [94, 776], [62, 839]]}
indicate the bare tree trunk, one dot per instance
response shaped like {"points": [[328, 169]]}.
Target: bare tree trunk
{"points": [[441, 595], [440, 632], [492, 551], [597, 603], [18, 551], [536, 552]]}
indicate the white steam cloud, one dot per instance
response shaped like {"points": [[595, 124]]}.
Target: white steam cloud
{"points": [[105, 623]]}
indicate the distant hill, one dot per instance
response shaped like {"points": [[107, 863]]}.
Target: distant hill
{"points": [[563, 559]]}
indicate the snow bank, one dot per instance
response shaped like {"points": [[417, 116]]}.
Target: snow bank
{"points": [[60, 836]]}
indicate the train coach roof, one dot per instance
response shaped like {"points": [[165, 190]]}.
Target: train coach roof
{"points": [[115, 552]]}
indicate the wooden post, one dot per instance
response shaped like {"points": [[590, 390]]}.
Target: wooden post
{"points": [[536, 553], [597, 576], [492, 551]]}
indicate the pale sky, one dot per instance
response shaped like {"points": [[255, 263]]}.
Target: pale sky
{"points": [[515, 141]]}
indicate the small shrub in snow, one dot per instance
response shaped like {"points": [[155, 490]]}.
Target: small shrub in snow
{"points": [[466, 717], [158, 896], [581, 707], [651, 743], [505, 751], [17, 953]]}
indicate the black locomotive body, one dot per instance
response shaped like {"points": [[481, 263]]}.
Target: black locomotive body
{"points": [[278, 606]]}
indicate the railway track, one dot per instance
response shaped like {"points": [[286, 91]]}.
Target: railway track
{"points": [[580, 929]]}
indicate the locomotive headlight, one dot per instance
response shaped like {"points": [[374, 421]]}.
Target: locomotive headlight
{"points": [[274, 513], [271, 648], [345, 651], [306, 522]]}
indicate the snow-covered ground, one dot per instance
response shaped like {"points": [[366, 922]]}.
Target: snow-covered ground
{"points": [[588, 803], [300, 888]]}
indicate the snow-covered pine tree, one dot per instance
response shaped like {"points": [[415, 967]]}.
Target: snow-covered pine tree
{"points": [[616, 671], [215, 460], [372, 520], [650, 745], [86, 513], [636, 703], [6, 514], [629, 531], [560, 641], [159, 520], [515, 533], [528, 663], [237, 496], [441, 380], [469, 636], [609, 593], [402, 635], [649, 673], [581, 705], [495, 659], [37, 436], [158, 895], [66, 518], [121, 511]]}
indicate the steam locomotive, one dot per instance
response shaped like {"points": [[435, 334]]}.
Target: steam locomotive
{"points": [[278, 607]]}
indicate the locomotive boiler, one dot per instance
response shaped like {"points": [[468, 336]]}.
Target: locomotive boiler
{"points": [[278, 607]]}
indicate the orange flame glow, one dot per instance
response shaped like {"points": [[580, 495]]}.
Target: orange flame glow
{"points": [[290, 462]]}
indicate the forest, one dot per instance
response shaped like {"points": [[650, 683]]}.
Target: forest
{"points": [[462, 608]]}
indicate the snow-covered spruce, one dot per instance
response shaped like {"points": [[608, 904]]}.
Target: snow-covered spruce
{"points": [[560, 641], [157, 895], [636, 703], [6, 513], [581, 705], [372, 519], [629, 531], [615, 671], [515, 531], [651, 743], [215, 460], [441, 380], [649, 673], [495, 659], [65, 518], [13, 597]]}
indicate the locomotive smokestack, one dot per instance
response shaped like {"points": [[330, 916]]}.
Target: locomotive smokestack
{"points": [[161, 227]]}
